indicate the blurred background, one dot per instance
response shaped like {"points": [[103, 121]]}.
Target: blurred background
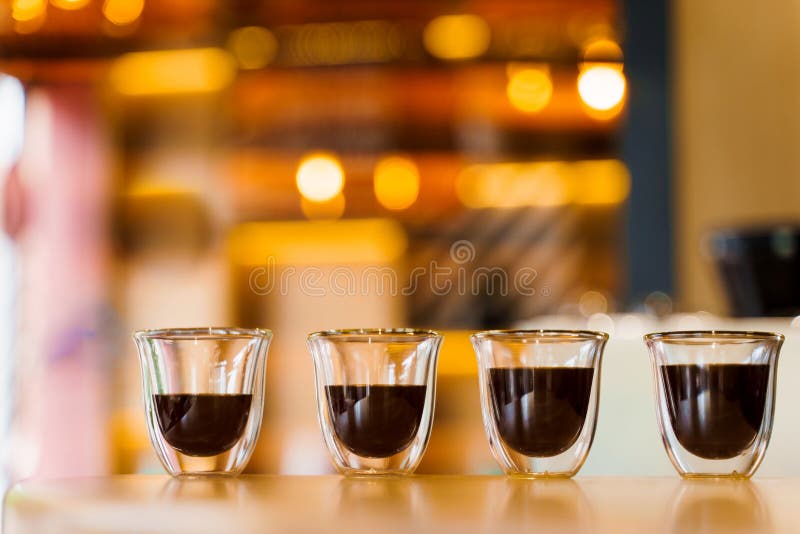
{"points": [[457, 165]]}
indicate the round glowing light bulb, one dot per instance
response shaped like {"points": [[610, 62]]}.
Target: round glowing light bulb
{"points": [[601, 87], [28, 10], [530, 89], [122, 12], [396, 182], [320, 177], [254, 47], [456, 37]]}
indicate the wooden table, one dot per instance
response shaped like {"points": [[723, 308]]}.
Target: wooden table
{"points": [[420, 504]]}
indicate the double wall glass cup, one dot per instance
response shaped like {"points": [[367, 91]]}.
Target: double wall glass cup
{"points": [[203, 396], [375, 397], [539, 397], [715, 398]]}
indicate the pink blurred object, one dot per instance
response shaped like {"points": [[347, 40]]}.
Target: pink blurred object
{"points": [[61, 419]]}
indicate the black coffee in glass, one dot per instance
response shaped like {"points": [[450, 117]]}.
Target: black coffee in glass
{"points": [[376, 421], [540, 411], [202, 424], [716, 410]]}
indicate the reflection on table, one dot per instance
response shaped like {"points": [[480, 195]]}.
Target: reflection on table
{"points": [[419, 504]]}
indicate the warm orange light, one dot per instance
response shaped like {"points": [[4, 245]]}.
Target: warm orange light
{"points": [[341, 43], [122, 12], [529, 89], [601, 50], [396, 182], [602, 87], [252, 46], [592, 302], [70, 5], [28, 10], [320, 177], [150, 189], [506, 185], [347, 241], [454, 358], [457, 36], [543, 184], [168, 72], [599, 182], [329, 209]]}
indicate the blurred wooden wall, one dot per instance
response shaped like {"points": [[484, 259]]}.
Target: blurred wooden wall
{"points": [[736, 70]]}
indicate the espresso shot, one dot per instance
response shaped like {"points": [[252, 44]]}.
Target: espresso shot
{"points": [[375, 397], [202, 424], [540, 392], [540, 411], [715, 398], [376, 421], [203, 396], [716, 411]]}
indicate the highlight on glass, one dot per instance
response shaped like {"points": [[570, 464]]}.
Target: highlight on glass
{"points": [[715, 399], [203, 396], [375, 396], [539, 396]]}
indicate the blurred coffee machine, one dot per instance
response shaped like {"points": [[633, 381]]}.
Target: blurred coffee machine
{"points": [[760, 269]]}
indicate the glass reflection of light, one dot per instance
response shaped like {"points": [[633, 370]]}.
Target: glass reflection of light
{"points": [[730, 506], [552, 505]]}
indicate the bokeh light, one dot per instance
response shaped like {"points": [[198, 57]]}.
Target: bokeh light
{"points": [[600, 182], [28, 10], [601, 87], [341, 43], [122, 12], [70, 5], [457, 36], [396, 182], [529, 89], [164, 72], [601, 50], [12, 125], [329, 209], [592, 302], [601, 322], [543, 184], [252, 46], [320, 177]]}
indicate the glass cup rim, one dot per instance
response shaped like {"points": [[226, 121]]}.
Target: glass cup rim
{"points": [[210, 333], [701, 337], [412, 335], [548, 335]]}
